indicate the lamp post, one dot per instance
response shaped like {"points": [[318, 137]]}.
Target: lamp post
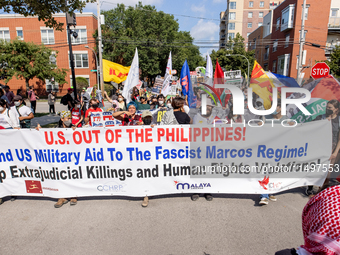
{"points": [[96, 63], [228, 55]]}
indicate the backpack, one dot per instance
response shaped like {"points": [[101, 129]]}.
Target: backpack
{"points": [[63, 100]]}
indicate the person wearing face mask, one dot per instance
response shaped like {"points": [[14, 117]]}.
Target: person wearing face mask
{"points": [[168, 104], [94, 107], [161, 100], [64, 122], [129, 117], [25, 113], [176, 115], [8, 118], [77, 114], [121, 103]]}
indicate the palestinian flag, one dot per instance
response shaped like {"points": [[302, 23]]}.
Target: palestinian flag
{"points": [[322, 90]]}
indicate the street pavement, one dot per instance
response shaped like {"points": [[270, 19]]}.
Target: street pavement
{"points": [[230, 224]]}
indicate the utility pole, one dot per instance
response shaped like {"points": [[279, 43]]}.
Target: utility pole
{"points": [[101, 85], [71, 21], [302, 42]]}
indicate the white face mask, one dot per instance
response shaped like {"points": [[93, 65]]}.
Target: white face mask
{"points": [[17, 103], [168, 105], [120, 99], [160, 102], [78, 105], [1, 108]]}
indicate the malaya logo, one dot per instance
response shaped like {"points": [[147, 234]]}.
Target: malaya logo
{"points": [[265, 184], [191, 186]]}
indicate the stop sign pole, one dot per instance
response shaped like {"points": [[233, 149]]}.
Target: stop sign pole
{"points": [[320, 70]]}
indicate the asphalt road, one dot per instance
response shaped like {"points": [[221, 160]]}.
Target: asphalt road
{"points": [[230, 224]]}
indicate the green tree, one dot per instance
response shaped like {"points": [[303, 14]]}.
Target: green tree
{"points": [[81, 83], [154, 33], [234, 46], [26, 60], [334, 62], [43, 9]]}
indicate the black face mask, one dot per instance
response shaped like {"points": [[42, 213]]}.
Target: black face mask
{"points": [[95, 106], [329, 112], [147, 121]]}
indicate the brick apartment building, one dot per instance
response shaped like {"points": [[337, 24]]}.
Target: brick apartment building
{"points": [[30, 29], [282, 49], [243, 17]]}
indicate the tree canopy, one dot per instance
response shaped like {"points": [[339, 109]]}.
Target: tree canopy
{"points": [[154, 33], [26, 60], [44, 9], [334, 62], [233, 47]]}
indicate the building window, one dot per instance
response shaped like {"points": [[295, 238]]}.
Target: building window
{"points": [[287, 17], [47, 36], [287, 41], [20, 34], [251, 4], [4, 35], [250, 25], [274, 66], [260, 24], [262, 4], [231, 36], [81, 60], [53, 59], [232, 5], [260, 14], [283, 64], [82, 36], [232, 15], [250, 14], [334, 12], [277, 23], [231, 26], [275, 45], [306, 12]]}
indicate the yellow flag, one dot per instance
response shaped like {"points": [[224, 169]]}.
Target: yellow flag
{"points": [[114, 72], [262, 85]]}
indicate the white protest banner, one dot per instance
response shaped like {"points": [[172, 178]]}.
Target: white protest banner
{"points": [[141, 160]]}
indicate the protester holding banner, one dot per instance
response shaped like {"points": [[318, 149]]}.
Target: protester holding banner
{"points": [[8, 118], [25, 113], [208, 118], [77, 114], [129, 117], [176, 115], [94, 107]]}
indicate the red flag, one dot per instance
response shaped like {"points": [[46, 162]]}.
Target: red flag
{"points": [[219, 79]]}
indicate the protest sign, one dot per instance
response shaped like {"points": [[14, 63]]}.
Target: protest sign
{"points": [[140, 160]]}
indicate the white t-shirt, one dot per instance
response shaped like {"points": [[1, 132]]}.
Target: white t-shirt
{"points": [[9, 122], [198, 119], [24, 111]]}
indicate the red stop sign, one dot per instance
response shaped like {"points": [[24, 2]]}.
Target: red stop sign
{"points": [[320, 70]]}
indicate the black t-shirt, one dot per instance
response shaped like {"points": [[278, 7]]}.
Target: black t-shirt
{"points": [[182, 117], [69, 98]]}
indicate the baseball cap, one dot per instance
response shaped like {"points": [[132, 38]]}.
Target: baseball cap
{"points": [[69, 89], [146, 113], [17, 98]]}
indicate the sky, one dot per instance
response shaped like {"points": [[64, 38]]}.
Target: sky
{"points": [[203, 28]]}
